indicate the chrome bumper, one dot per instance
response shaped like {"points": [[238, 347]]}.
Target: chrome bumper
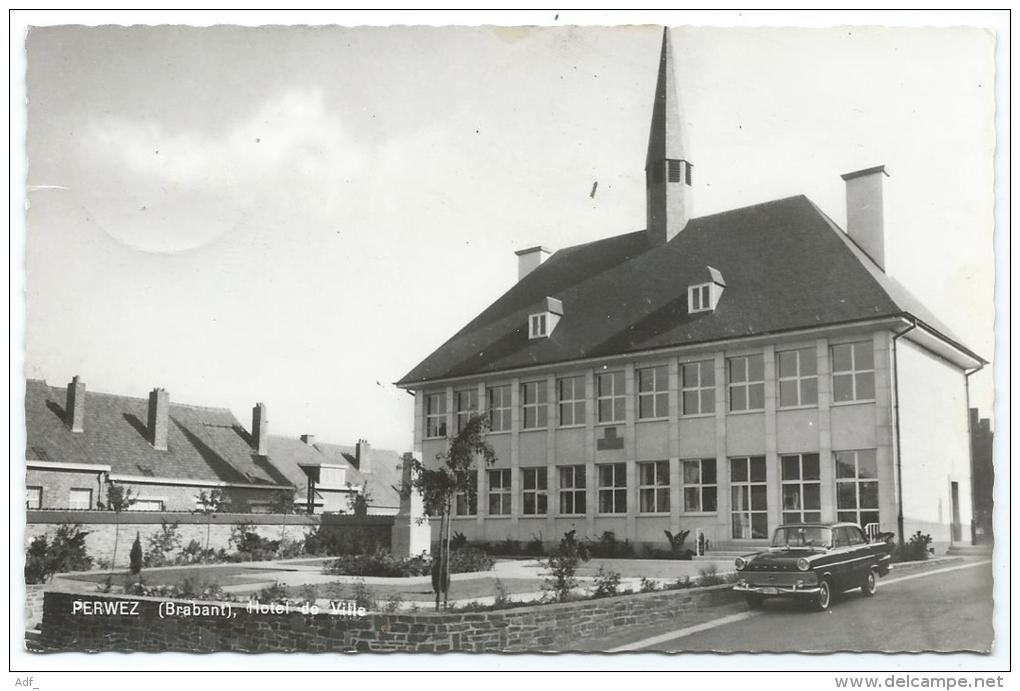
{"points": [[777, 590]]}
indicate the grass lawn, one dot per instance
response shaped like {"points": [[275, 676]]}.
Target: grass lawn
{"points": [[229, 574], [652, 568], [459, 590]]}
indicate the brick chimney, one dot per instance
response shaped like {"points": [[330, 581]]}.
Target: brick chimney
{"points": [[74, 411], [865, 211], [530, 259], [308, 439], [260, 429], [363, 456], [159, 418]]}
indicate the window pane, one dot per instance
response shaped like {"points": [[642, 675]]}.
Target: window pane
{"points": [[738, 470], [662, 499], [692, 499], [869, 517], [708, 502], [756, 368], [529, 479], [844, 464], [809, 391], [605, 410], [645, 408], [605, 501], [758, 469], [864, 356], [756, 397], [540, 476], [814, 516], [846, 495], [619, 409], [788, 363], [848, 516], [865, 386], [566, 477], [867, 465], [738, 398], [529, 503], [791, 497], [869, 495], [689, 375], [841, 358], [621, 501], [759, 526], [809, 464], [647, 500], [843, 387], [646, 471], [738, 370], [791, 518], [788, 393], [692, 472], [543, 504], [580, 502], [690, 403], [813, 496], [708, 471], [738, 498], [662, 472], [661, 405], [605, 475], [759, 498], [579, 477], [708, 373], [579, 413], [791, 467], [707, 401], [808, 362]]}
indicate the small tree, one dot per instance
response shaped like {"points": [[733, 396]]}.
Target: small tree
{"points": [[439, 485], [358, 498], [209, 504], [136, 555], [282, 503], [118, 498], [563, 565]]}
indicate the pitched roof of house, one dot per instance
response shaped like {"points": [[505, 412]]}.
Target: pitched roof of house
{"points": [[289, 455], [787, 266], [207, 444]]}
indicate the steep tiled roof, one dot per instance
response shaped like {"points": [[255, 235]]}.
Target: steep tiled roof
{"points": [[787, 266], [206, 444]]}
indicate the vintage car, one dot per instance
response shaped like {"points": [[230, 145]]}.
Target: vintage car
{"points": [[814, 561]]}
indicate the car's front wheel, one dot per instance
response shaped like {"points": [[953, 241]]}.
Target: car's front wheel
{"points": [[870, 584], [824, 597]]}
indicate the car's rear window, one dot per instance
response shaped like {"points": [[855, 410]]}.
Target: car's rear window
{"points": [[802, 536]]}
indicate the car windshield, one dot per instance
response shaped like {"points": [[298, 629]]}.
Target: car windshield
{"points": [[802, 536]]}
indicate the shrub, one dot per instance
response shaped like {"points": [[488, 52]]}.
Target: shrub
{"points": [[676, 542], [65, 552], [136, 555], [607, 582], [308, 593], [535, 547], [335, 540], [364, 596], [648, 585], [458, 540], [393, 603], [470, 560], [188, 589], [709, 575], [277, 593], [162, 544], [607, 546], [562, 566], [502, 596], [917, 549], [379, 563]]}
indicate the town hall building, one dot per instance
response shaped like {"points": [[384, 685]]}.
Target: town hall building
{"points": [[721, 374]]}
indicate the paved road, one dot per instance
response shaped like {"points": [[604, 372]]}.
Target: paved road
{"points": [[945, 607]]}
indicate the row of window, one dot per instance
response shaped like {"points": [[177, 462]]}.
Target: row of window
{"points": [[856, 479], [853, 379], [81, 499]]}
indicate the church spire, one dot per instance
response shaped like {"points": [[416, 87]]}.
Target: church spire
{"points": [[668, 172]]}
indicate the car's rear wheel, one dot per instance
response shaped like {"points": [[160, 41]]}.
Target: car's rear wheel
{"points": [[824, 597], [870, 584], [755, 601]]}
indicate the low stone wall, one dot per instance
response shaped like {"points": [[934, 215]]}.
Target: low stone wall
{"points": [[102, 527], [33, 605], [138, 625]]}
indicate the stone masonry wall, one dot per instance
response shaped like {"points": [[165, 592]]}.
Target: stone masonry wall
{"points": [[534, 628]]}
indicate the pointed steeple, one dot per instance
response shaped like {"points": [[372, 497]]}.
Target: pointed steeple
{"points": [[668, 172]]}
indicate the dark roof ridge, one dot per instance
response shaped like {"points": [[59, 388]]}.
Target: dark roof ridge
{"points": [[125, 397]]}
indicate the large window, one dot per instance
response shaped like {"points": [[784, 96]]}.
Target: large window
{"points": [[435, 415], [465, 501], [157, 505], [570, 393], [573, 497], [499, 408], [700, 486], [802, 489], [697, 384], [853, 372], [653, 388], [653, 487], [33, 498], [857, 486], [746, 379], [749, 498], [499, 492], [80, 499], [466, 405], [533, 402], [611, 396], [534, 493], [798, 377], [612, 488]]}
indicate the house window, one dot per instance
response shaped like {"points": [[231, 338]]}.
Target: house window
{"points": [[80, 498], [700, 486], [699, 298], [653, 399], [570, 393], [802, 488], [653, 487], [332, 476], [853, 372], [499, 492], [697, 384], [749, 498], [534, 494], [798, 377], [499, 408], [612, 488], [674, 170], [746, 378], [465, 501], [33, 498], [533, 401], [539, 325], [157, 505], [253, 507], [466, 405], [611, 397], [857, 487], [435, 415], [573, 495], [687, 173]]}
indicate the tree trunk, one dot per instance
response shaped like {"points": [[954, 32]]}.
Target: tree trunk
{"points": [[116, 539], [208, 530], [446, 562], [437, 562]]}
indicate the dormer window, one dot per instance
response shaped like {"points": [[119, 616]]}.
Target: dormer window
{"points": [[703, 297], [541, 324]]}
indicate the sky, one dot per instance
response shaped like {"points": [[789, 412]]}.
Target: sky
{"points": [[299, 215]]}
